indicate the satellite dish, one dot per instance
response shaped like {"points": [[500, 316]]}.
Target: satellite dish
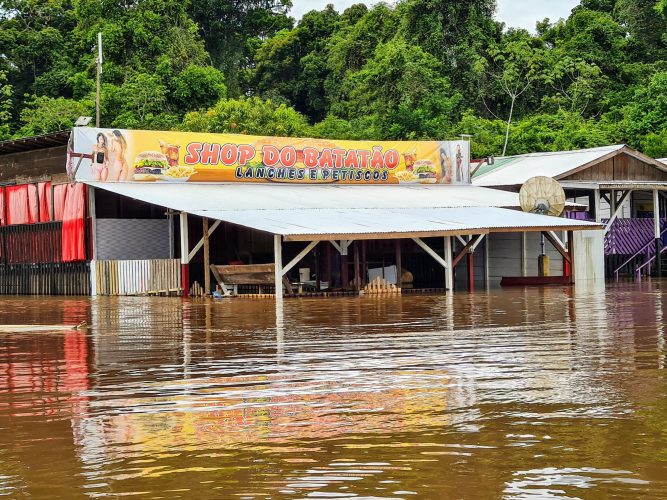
{"points": [[542, 195]]}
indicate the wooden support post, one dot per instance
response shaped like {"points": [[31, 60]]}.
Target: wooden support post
{"points": [[656, 230], [185, 260], [278, 258], [596, 205], [327, 265], [471, 272], [399, 264], [357, 274], [318, 276], [207, 259], [344, 272], [364, 265]]}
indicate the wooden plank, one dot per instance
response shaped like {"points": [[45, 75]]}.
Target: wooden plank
{"points": [[534, 280], [253, 274], [379, 236], [464, 251], [557, 246]]}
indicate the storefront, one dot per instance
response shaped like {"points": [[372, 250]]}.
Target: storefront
{"points": [[238, 208]]}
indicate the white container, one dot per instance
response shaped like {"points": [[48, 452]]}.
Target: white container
{"points": [[304, 274]]}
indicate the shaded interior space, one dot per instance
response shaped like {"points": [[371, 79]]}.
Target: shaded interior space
{"points": [[340, 267]]}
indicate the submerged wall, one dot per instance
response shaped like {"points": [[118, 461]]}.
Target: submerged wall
{"points": [[505, 256], [589, 257]]}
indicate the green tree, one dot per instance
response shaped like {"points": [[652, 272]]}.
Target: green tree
{"points": [[47, 114], [198, 87], [646, 30], [655, 144], [455, 32], [577, 83], [293, 64], [252, 116], [400, 93], [233, 30], [647, 111], [5, 105], [511, 70]]}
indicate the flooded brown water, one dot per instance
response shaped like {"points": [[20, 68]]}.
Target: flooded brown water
{"points": [[540, 393]]}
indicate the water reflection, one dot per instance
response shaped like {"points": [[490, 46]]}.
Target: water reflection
{"points": [[547, 392]]}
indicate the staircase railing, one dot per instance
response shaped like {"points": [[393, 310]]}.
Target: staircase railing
{"points": [[645, 249], [649, 263]]}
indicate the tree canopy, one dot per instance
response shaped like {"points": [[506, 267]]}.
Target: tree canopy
{"points": [[417, 69]]}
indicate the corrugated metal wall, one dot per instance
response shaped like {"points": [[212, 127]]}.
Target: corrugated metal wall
{"points": [[132, 239]]}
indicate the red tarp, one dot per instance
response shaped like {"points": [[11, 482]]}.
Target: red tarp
{"points": [[33, 204], [17, 204], [3, 220], [74, 226], [59, 194], [44, 190]]}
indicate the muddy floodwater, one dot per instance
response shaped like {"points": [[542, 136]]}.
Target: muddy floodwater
{"points": [[536, 393]]}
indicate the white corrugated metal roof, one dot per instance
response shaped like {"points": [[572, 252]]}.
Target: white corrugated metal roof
{"points": [[191, 197], [313, 212], [663, 160], [515, 170], [311, 224]]}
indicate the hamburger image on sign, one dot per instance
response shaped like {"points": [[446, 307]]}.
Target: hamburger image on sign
{"points": [[149, 165], [426, 171]]}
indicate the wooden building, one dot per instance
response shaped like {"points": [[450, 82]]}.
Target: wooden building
{"points": [[621, 187]]}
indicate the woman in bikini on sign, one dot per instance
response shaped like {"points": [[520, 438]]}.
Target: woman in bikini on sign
{"points": [[100, 158], [118, 169]]}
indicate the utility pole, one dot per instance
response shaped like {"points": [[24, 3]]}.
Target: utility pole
{"points": [[99, 78], [468, 137]]}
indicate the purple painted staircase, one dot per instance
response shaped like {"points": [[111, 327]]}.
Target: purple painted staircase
{"points": [[633, 241]]}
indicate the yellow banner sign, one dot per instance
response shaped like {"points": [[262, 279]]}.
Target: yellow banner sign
{"points": [[108, 155]]}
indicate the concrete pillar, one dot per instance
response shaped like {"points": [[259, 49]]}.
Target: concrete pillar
{"points": [[207, 259], [278, 258], [185, 255], [449, 272]]}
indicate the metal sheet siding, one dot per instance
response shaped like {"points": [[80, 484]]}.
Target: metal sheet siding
{"points": [[132, 239]]}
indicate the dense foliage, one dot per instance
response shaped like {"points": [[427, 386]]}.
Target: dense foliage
{"points": [[422, 69]]}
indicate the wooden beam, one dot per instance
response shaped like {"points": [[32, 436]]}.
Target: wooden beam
{"points": [[617, 210], [201, 242], [557, 245], [218, 278], [399, 264], [342, 247], [357, 274], [287, 268], [378, 236], [466, 249], [431, 252], [364, 264]]}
